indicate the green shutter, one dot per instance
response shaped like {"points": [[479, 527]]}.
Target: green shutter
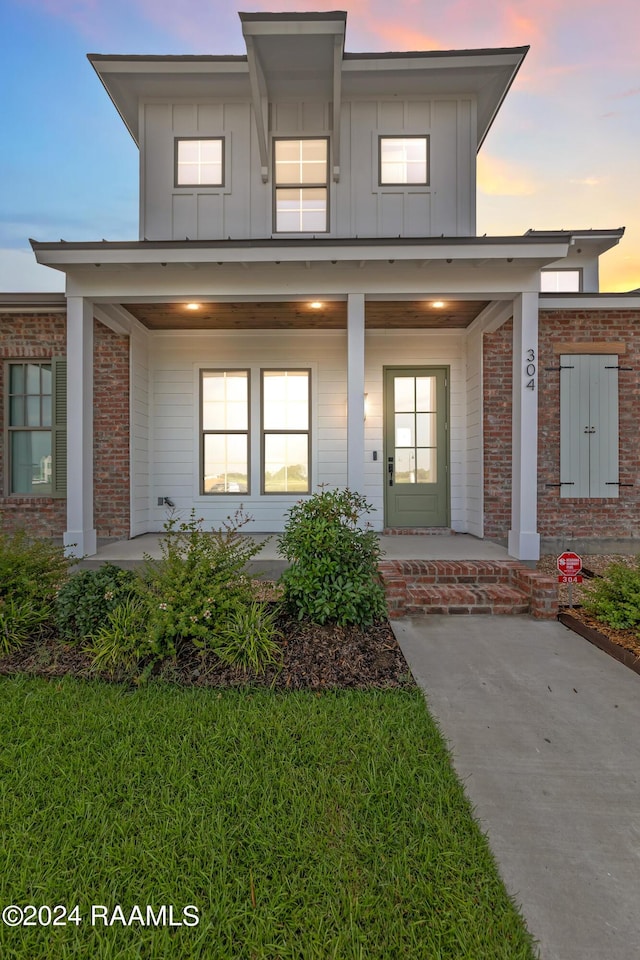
{"points": [[59, 426]]}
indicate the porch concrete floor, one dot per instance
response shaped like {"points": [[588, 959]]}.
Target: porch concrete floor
{"points": [[459, 546]]}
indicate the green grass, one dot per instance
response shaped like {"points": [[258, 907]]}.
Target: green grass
{"points": [[300, 826]]}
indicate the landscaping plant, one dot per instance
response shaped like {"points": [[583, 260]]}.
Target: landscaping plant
{"points": [[334, 560], [199, 591], [85, 601], [615, 597], [31, 571]]}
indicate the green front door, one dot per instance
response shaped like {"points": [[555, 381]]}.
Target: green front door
{"points": [[416, 448]]}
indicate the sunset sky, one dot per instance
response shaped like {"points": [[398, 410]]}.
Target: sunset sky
{"points": [[564, 152]]}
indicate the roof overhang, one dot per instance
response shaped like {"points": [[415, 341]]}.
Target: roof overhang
{"points": [[538, 250], [483, 75], [591, 242], [299, 54], [33, 303], [130, 79], [302, 55]]}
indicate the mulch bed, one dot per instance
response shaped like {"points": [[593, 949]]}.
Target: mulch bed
{"points": [[313, 658], [623, 645]]}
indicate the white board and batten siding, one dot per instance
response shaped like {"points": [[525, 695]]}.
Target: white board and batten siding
{"points": [[589, 425], [176, 361], [358, 205]]}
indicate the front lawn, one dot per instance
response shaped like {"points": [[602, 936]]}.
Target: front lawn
{"points": [[300, 825]]}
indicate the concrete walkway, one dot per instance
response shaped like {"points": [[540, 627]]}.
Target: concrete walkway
{"points": [[545, 733]]}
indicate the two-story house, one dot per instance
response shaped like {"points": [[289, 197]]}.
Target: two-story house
{"points": [[308, 303]]}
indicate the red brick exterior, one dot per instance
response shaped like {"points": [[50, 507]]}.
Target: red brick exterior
{"points": [[41, 336], [561, 517]]}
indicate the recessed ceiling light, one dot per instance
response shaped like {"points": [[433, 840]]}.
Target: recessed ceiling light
{"points": [[316, 305], [439, 304], [193, 306]]}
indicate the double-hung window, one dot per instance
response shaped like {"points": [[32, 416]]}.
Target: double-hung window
{"points": [[285, 431], [281, 429], [199, 162], [403, 161], [36, 427], [225, 431], [301, 185]]}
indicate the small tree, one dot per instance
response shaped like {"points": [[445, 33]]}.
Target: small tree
{"points": [[333, 574]]}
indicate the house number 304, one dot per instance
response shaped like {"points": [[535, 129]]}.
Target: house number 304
{"points": [[530, 369]]}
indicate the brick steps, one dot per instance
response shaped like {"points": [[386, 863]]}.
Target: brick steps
{"points": [[465, 598], [421, 587]]}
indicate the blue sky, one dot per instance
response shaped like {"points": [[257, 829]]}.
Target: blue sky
{"points": [[563, 153]]}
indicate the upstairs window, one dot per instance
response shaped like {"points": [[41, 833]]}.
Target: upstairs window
{"points": [[404, 161], [560, 281], [199, 162], [301, 185]]}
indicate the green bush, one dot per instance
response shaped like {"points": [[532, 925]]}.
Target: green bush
{"points": [[334, 560], [31, 572], [85, 601], [615, 598], [199, 585]]}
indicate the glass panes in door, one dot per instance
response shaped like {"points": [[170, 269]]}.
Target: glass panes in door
{"points": [[415, 430]]}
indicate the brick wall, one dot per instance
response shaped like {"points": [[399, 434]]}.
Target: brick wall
{"points": [[41, 336], [497, 380], [562, 517]]}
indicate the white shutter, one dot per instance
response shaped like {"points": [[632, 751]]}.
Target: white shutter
{"points": [[574, 411], [588, 425], [603, 415]]}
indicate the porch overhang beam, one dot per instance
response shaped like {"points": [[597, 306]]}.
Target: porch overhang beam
{"points": [[61, 255]]}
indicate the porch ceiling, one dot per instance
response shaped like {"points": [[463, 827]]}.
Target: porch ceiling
{"points": [[287, 315]]}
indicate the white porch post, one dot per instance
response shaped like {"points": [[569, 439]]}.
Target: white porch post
{"points": [[524, 539], [80, 535], [355, 391]]}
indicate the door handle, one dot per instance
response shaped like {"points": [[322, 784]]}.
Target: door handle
{"points": [[589, 429], [390, 470]]}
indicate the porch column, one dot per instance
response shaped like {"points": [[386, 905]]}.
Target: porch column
{"points": [[355, 391], [524, 539], [80, 535]]}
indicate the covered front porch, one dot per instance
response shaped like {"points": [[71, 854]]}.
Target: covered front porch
{"points": [[345, 318], [437, 546], [422, 573]]}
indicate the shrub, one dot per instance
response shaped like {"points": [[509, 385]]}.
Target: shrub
{"points": [[199, 583], [85, 601], [247, 636], [122, 641], [31, 571], [615, 598], [334, 560]]}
